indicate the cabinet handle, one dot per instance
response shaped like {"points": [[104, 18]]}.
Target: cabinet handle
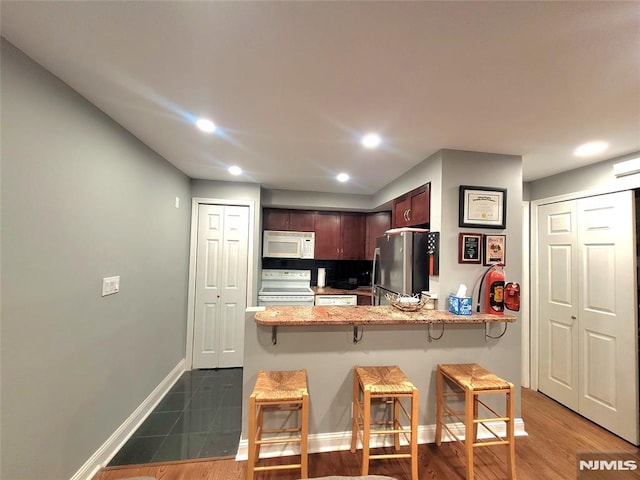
{"points": [[573, 317], [409, 214]]}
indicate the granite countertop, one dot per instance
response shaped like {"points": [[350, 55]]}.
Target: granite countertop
{"points": [[341, 291], [366, 315]]}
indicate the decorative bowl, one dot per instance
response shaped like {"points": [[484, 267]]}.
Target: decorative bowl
{"points": [[407, 303]]}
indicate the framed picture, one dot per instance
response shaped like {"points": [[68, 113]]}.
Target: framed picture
{"points": [[469, 248], [494, 249], [483, 207]]}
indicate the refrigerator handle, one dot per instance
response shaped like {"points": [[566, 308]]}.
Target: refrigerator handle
{"points": [[375, 298]]}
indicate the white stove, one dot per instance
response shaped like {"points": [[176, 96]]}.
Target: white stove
{"points": [[286, 287]]}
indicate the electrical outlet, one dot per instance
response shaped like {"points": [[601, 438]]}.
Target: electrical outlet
{"points": [[177, 202], [110, 285]]}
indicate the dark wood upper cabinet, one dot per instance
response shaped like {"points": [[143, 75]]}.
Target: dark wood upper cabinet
{"points": [[352, 235], [377, 224], [301, 220], [327, 227], [339, 235], [275, 219], [413, 208], [283, 219], [401, 208]]}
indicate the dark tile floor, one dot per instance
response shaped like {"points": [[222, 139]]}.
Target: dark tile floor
{"points": [[200, 417]]}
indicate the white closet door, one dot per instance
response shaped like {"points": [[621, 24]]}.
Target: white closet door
{"points": [[588, 326], [221, 278], [608, 313], [558, 293]]}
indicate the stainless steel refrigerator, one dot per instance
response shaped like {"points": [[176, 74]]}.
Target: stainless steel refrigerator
{"points": [[400, 265]]}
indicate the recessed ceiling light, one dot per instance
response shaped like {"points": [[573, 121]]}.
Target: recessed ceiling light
{"points": [[371, 140], [206, 125], [591, 148], [343, 177], [235, 170]]}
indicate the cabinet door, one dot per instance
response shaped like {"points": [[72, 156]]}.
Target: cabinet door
{"points": [[301, 221], [420, 206], [327, 228], [275, 219], [401, 207], [364, 299], [377, 224], [352, 230]]}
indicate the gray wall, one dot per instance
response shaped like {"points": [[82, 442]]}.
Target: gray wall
{"points": [[82, 199], [597, 178], [315, 200]]}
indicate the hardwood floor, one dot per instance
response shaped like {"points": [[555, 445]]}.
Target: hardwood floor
{"points": [[556, 434]]}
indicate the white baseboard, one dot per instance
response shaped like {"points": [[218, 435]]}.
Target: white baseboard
{"points": [[114, 443], [329, 442]]}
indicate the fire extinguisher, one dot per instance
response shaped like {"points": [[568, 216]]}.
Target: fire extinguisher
{"points": [[493, 281], [497, 294]]}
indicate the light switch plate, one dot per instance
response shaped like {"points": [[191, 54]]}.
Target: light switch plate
{"points": [[110, 285]]}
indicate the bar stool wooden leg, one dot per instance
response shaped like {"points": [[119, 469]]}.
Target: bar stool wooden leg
{"points": [[304, 433], [355, 414], [468, 430], [414, 435], [396, 423], [252, 438], [475, 415], [367, 432], [439, 408]]}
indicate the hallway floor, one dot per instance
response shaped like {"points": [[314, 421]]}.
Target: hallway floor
{"points": [[200, 417]]}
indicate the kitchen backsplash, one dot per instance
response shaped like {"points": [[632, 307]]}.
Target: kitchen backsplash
{"points": [[352, 271]]}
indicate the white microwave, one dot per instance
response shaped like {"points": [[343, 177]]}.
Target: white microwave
{"points": [[280, 244]]}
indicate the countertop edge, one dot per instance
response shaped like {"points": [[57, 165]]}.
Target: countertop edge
{"points": [[367, 315]]}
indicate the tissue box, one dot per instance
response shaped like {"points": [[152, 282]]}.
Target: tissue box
{"points": [[460, 305]]}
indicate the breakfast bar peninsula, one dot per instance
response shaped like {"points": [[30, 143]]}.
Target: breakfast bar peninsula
{"points": [[328, 341]]}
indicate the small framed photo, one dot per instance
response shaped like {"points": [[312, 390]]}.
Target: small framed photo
{"points": [[482, 207], [469, 248], [495, 249]]}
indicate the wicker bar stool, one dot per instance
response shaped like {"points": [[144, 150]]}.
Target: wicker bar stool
{"points": [[386, 384], [278, 391], [472, 380]]}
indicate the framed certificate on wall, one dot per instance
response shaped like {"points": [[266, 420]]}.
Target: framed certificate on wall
{"points": [[484, 207]]}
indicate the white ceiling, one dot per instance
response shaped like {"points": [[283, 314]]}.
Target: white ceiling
{"points": [[293, 85]]}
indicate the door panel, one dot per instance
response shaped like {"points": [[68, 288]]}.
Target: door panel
{"points": [[558, 356], [599, 296], [561, 350], [600, 360]]}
